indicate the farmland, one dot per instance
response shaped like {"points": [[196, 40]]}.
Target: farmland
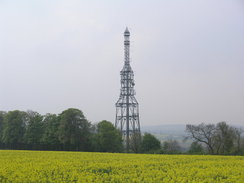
{"points": [[48, 166]]}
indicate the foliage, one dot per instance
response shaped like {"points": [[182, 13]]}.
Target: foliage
{"points": [[204, 134], [108, 138], [150, 144], [29, 130], [34, 130], [2, 114], [220, 138], [14, 128], [196, 148], [50, 139], [73, 129], [225, 137], [55, 167], [171, 147]]}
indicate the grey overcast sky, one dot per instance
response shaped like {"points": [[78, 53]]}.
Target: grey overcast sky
{"points": [[188, 58]]}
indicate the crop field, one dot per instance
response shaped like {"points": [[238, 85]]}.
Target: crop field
{"points": [[47, 166]]}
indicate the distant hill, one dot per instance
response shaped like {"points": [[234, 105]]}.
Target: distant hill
{"points": [[169, 129]]}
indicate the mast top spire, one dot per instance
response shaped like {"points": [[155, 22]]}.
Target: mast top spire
{"points": [[126, 33]]}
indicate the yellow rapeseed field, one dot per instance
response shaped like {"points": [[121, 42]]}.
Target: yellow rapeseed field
{"points": [[46, 166]]}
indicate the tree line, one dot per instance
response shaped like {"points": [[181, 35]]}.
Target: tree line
{"points": [[67, 131], [220, 139], [71, 131], [215, 139]]}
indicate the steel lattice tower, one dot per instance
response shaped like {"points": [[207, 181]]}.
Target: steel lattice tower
{"points": [[127, 111]]}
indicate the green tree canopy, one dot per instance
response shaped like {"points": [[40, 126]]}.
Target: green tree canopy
{"points": [[196, 148], [34, 130], [50, 138], [108, 138], [2, 114], [150, 143], [225, 138], [74, 130], [14, 128]]}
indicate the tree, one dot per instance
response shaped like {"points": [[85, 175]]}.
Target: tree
{"points": [[204, 134], [34, 130], [150, 144], [196, 148], [238, 132], [225, 137], [14, 129], [241, 151], [2, 114], [220, 139], [50, 137], [108, 138], [74, 130], [171, 147]]}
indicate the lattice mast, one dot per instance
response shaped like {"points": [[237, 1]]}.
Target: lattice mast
{"points": [[127, 111]]}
